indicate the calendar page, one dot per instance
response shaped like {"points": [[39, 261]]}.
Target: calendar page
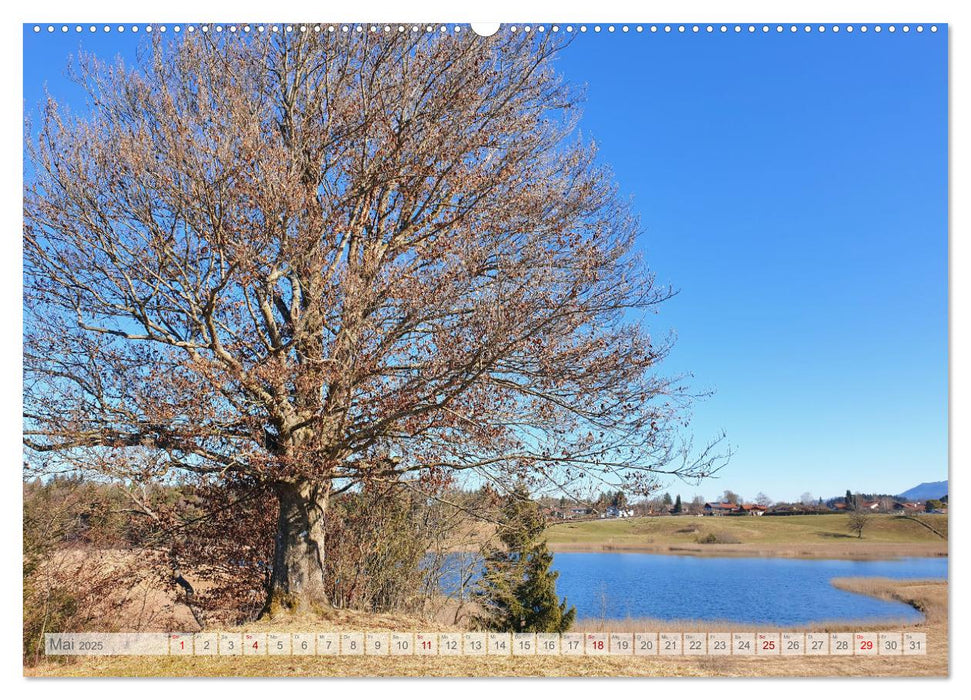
{"points": [[546, 349]]}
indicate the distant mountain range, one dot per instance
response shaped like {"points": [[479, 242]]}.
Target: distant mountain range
{"points": [[930, 489]]}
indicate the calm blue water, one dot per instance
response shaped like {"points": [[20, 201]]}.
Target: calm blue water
{"points": [[746, 590]]}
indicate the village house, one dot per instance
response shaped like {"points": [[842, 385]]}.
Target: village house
{"points": [[567, 514], [752, 509], [908, 508], [734, 509]]}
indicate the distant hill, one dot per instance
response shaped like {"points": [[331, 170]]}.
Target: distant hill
{"points": [[930, 489]]}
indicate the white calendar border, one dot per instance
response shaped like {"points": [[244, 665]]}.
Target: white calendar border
{"points": [[699, 10]]}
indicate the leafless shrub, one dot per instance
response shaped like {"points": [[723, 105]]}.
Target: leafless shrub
{"points": [[72, 587]]}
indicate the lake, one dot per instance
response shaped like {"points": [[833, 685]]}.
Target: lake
{"points": [[743, 590]]}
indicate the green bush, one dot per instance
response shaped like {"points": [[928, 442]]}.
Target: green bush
{"points": [[517, 591], [717, 538]]}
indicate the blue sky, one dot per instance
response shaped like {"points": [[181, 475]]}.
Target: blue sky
{"points": [[793, 187]]}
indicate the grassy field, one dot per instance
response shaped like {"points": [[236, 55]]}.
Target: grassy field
{"points": [[929, 597], [824, 536]]}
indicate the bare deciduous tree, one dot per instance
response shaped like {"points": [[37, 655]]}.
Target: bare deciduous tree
{"points": [[859, 517], [308, 260]]}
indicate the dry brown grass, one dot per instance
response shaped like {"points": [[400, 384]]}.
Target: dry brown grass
{"points": [[928, 596]]}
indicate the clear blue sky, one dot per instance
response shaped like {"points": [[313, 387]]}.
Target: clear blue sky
{"points": [[793, 187]]}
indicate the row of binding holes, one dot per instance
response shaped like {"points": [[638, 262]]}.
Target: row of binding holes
{"points": [[725, 28], [654, 28], [246, 28]]}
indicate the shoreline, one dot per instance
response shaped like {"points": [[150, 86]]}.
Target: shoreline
{"points": [[873, 551]]}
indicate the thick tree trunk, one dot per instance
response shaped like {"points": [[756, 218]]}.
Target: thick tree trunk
{"points": [[297, 579]]}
